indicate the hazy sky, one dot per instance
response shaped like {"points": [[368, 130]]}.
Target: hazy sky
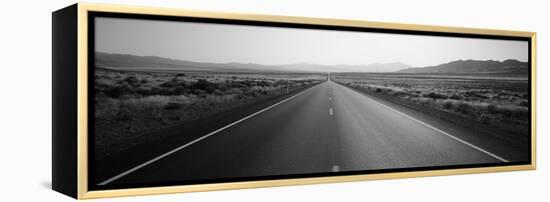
{"points": [[203, 42]]}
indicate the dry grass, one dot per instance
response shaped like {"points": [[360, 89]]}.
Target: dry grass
{"points": [[128, 104], [496, 101]]}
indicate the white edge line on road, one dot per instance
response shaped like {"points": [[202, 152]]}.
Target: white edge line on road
{"points": [[195, 141], [440, 131]]}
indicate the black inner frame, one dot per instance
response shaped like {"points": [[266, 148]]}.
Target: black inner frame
{"points": [[91, 94]]}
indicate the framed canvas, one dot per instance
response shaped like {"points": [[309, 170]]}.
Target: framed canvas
{"points": [[156, 100]]}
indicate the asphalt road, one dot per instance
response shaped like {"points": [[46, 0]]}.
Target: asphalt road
{"points": [[327, 128]]}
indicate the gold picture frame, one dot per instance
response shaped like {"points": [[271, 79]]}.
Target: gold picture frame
{"points": [[80, 184]]}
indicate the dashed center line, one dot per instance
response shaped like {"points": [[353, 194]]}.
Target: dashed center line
{"points": [[330, 111], [335, 168]]}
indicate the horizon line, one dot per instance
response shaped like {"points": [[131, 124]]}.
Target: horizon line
{"points": [[294, 63]]}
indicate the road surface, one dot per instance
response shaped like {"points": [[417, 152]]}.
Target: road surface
{"points": [[327, 128]]}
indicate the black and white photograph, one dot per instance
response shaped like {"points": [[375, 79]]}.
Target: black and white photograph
{"points": [[185, 101]]}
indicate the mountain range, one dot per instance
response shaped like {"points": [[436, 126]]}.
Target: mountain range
{"points": [[474, 66], [125, 61]]}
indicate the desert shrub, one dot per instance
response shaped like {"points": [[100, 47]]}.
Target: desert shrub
{"points": [[447, 104], [235, 91], [132, 80], [251, 93], [245, 83], [170, 84], [238, 85], [204, 85], [378, 90], [118, 91], [179, 90], [182, 84], [464, 108], [165, 91], [114, 92], [223, 86], [210, 89], [399, 93], [475, 95], [455, 97], [262, 83], [198, 92], [435, 96]]}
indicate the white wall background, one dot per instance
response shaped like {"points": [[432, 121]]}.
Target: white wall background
{"points": [[25, 104]]}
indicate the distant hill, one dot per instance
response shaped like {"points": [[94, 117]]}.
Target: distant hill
{"points": [[125, 61], [474, 66]]}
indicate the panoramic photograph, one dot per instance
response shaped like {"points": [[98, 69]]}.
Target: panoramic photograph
{"points": [[178, 102]]}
